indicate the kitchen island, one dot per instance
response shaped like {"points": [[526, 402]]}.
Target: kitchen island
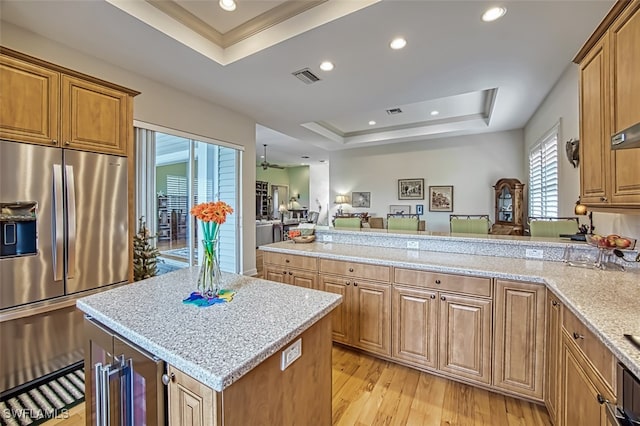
{"points": [[241, 350]]}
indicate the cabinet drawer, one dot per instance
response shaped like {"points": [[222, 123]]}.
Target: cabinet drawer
{"points": [[445, 282], [595, 351], [355, 270], [291, 260]]}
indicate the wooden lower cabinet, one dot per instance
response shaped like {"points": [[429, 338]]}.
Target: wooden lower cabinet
{"points": [[363, 319], [465, 337], [553, 357], [582, 389], [519, 351], [266, 395], [298, 277], [415, 326]]}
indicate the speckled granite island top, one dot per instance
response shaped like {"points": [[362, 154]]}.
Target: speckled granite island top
{"points": [[218, 344], [608, 302]]}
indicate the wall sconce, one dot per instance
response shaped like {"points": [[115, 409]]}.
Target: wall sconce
{"points": [[581, 210], [282, 208], [340, 200]]}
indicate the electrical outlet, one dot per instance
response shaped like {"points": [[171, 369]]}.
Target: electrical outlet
{"points": [[413, 245], [534, 254], [327, 238], [290, 354]]}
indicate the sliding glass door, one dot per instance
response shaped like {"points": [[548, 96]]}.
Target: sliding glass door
{"points": [[187, 171]]}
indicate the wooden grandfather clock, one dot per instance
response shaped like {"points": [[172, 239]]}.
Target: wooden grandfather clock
{"points": [[508, 207]]}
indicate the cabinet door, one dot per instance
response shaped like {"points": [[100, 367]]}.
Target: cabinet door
{"points": [[275, 273], [372, 309], [594, 124], [553, 357], [580, 391], [465, 337], [415, 330], [519, 338], [624, 37], [29, 110], [340, 316], [94, 118], [303, 279], [190, 402]]}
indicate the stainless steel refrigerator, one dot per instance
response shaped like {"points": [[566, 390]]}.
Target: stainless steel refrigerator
{"points": [[64, 230]]}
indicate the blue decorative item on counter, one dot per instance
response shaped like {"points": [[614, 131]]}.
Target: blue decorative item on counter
{"points": [[199, 300]]}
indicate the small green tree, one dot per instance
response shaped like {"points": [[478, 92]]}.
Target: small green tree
{"points": [[145, 255]]}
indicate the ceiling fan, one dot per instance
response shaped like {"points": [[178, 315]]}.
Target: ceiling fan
{"points": [[265, 164]]}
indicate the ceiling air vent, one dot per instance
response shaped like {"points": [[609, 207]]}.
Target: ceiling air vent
{"points": [[394, 111], [306, 76]]}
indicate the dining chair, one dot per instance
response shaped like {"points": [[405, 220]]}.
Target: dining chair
{"points": [[469, 224], [553, 227], [395, 223], [347, 222]]}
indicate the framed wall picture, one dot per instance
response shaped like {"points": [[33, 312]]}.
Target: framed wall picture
{"points": [[410, 189], [419, 209], [395, 209], [360, 199], [441, 198]]}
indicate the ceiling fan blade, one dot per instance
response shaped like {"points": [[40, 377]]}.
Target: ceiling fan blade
{"points": [[275, 166]]}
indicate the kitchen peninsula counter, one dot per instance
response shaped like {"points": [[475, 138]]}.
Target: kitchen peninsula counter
{"points": [[608, 302], [216, 345]]}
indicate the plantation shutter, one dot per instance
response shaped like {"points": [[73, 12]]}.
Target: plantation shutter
{"points": [[543, 176]]}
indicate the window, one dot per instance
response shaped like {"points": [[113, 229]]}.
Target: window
{"points": [[543, 176], [174, 172]]}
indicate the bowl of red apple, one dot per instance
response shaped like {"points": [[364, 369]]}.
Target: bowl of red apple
{"points": [[611, 241]]}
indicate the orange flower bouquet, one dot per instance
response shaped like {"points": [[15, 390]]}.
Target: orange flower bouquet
{"points": [[211, 215]]}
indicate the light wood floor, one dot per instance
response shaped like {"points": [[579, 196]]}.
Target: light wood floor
{"points": [[368, 391]]}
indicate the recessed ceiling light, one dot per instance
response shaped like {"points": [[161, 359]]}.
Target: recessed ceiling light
{"points": [[398, 43], [322, 161], [305, 156], [262, 156], [228, 5], [493, 14], [326, 66], [372, 123], [434, 112]]}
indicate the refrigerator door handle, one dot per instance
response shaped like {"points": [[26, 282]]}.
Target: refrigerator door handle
{"points": [[58, 224], [71, 208]]}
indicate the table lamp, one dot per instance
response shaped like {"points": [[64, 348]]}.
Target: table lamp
{"points": [[581, 210], [340, 200]]}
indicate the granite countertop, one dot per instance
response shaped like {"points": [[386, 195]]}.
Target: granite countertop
{"points": [[608, 302], [218, 344]]}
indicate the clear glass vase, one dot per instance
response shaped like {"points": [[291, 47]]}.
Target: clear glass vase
{"points": [[209, 278]]}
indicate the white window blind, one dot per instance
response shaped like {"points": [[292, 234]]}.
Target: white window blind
{"points": [[543, 176]]}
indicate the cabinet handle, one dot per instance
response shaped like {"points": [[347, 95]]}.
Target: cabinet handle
{"points": [[67, 143], [443, 298], [437, 281], [290, 273], [286, 260], [433, 296], [166, 378], [348, 282], [554, 303], [284, 272], [577, 336], [54, 141], [602, 399], [355, 284], [350, 269], [603, 198]]}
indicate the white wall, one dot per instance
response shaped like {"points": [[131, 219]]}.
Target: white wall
{"points": [[319, 191], [472, 164], [164, 106], [562, 102]]}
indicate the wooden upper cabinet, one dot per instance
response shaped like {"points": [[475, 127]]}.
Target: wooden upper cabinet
{"points": [[609, 93], [94, 117], [47, 104], [594, 132], [29, 102], [624, 38]]}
